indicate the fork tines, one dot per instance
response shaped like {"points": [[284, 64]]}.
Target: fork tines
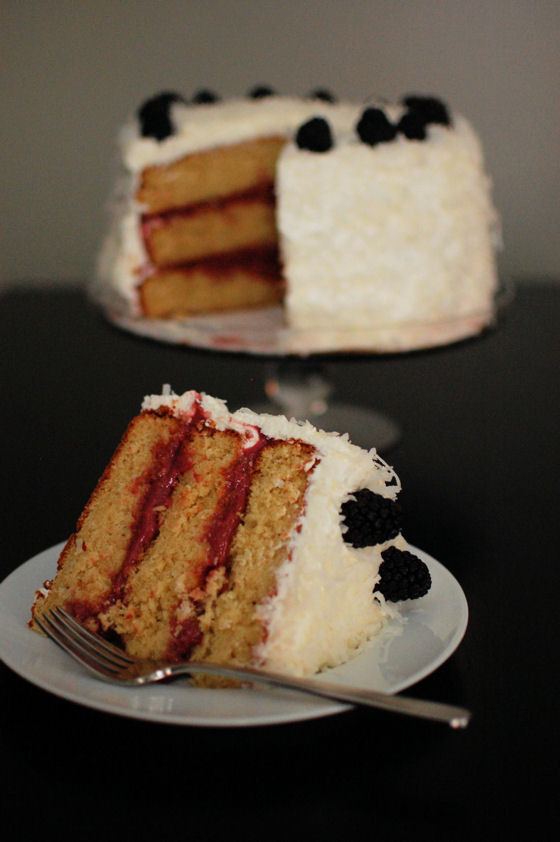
{"points": [[90, 650]]}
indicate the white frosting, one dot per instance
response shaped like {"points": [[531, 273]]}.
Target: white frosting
{"points": [[122, 258], [323, 610], [401, 232]]}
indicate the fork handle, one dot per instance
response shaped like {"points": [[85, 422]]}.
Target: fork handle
{"points": [[456, 717]]}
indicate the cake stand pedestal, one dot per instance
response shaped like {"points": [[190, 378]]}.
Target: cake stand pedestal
{"points": [[296, 382], [301, 389]]}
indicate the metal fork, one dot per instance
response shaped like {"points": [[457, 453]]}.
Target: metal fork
{"points": [[111, 664]]}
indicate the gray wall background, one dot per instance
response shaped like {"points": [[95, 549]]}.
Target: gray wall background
{"points": [[72, 71]]}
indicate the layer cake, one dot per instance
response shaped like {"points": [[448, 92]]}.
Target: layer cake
{"points": [[351, 216]]}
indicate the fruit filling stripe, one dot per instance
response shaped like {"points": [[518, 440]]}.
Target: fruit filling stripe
{"points": [[261, 192], [172, 459], [261, 261], [228, 515]]}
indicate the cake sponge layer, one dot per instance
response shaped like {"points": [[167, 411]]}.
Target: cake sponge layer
{"points": [[211, 174], [243, 222], [246, 279]]}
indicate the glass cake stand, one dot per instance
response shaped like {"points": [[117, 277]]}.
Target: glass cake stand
{"points": [[297, 383], [302, 388]]}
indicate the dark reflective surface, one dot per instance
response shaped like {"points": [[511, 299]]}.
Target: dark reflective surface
{"points": [[478, 458]]}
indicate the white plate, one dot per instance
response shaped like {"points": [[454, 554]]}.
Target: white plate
{"points": [[400, 656]]}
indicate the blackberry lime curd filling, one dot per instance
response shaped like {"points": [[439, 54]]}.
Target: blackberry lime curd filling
{"points": [[83, 609], [226, 519], [262, 192], [258, 260], [172, 459], [185, 636]]}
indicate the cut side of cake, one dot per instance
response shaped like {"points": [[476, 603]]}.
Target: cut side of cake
{"points": [[354, 217], [237, 538], [209, 231], [198, 192], [238, 281]]}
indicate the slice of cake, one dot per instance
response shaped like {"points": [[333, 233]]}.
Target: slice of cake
{"points": [[237, 538], [354, 217]]}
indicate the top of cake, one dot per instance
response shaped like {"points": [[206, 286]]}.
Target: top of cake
{"points": [[167, 127]]}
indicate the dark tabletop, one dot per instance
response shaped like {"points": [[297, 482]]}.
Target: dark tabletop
{"points": [[478, 460]]}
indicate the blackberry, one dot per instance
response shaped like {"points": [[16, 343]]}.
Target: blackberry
{"points": [[322, 94], [261, 91], [413, 125], [373, 127], [154, 115], [403, 576], [204, 97], [432, 109], [370, 519], [315, 135]]}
